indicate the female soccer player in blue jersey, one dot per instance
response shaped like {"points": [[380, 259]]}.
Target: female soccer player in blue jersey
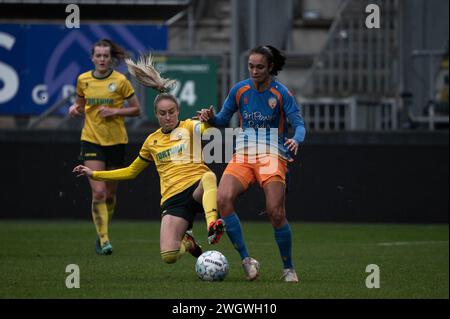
{"points": [[262, 151]]}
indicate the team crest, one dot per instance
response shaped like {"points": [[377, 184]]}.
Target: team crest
{"points": [[245, 100], [112, 87], [273, 102]]}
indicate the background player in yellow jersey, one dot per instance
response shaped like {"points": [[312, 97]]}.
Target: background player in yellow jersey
{"points": [[101, 96], [187, 185]]}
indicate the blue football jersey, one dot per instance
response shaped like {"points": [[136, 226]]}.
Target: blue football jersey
{"points": [[263, 116]]}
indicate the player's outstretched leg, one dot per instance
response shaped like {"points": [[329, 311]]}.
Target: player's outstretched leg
{"points": [[191, 245], [215, 231], [215, 226], [188, 244]]}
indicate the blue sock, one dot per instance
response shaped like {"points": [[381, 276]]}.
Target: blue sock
{"points": [[283, 237], [234, 232]]}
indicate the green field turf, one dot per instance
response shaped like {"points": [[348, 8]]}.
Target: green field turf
{"points": [[331, 260]]}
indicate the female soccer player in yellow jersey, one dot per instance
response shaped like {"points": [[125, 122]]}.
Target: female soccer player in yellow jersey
{"points": [[101, 96], [187, 185]]}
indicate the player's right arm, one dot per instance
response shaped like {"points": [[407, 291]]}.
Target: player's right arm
{"points": [[77, 108], [129, 172]]}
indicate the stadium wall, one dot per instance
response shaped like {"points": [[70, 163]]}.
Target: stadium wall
{"points": [[344, 177]]}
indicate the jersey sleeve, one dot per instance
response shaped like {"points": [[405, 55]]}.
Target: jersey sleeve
{"points": [[294, 117], [290, 104], [80, 85], [146, 153], [129, 172], [126, 89]]}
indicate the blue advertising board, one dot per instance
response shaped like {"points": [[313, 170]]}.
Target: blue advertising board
{"points": [[39, 63]]}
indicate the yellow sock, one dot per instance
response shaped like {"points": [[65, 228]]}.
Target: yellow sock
{"points": [[171, 256], [111, 205], [100, 217], [209, 199]]}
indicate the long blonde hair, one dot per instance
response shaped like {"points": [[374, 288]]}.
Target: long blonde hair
{"points": [[145, 72]]}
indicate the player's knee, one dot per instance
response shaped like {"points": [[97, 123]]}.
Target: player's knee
{"points": [[99, 195], [224, 200], [170, 257], [277, 216]]}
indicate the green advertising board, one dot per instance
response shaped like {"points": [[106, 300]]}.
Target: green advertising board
{"points": [[196, 85]]}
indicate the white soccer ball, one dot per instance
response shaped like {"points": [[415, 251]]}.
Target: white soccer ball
{"points": [[212, 265]]}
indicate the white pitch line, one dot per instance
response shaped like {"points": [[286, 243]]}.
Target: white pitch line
{"points": [[404, 243]]}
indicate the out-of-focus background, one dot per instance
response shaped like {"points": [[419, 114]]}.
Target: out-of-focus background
{"points": [[374, 100]]}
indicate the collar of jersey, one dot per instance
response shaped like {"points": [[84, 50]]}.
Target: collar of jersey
{"points": [[252, 85], [102, 78], [178, 124]]}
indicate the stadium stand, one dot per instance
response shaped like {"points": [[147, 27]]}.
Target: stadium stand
{"points": [[347, 77]]}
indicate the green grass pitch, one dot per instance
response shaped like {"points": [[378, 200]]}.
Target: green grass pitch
{"points": [[331, 260]]}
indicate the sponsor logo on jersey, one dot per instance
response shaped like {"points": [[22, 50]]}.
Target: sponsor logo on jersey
{"points": [[272, 102], [97, 101], [112, 87]]}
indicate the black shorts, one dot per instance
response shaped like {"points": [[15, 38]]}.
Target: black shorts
{"points": [[183, 205], [112, 156]]}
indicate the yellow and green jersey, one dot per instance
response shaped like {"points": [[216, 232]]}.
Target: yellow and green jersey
{"points": [[110, 91], [177, 156]]}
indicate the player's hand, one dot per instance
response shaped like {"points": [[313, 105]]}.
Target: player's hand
{"points": [[81, 170], [105, 111], [292, 145], [204, 115], [74, 110]]}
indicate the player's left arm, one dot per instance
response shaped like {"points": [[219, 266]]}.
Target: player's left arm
{"points": [[294, 117]]}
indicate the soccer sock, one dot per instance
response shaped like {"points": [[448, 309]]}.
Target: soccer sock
{"points": [[184, 246], [170, 256], [100, 217], [209, 199], [234, 232], [111, 205], [283, 237]]}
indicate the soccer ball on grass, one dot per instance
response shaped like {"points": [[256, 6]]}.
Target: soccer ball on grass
{"points": [[212, 265]]}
